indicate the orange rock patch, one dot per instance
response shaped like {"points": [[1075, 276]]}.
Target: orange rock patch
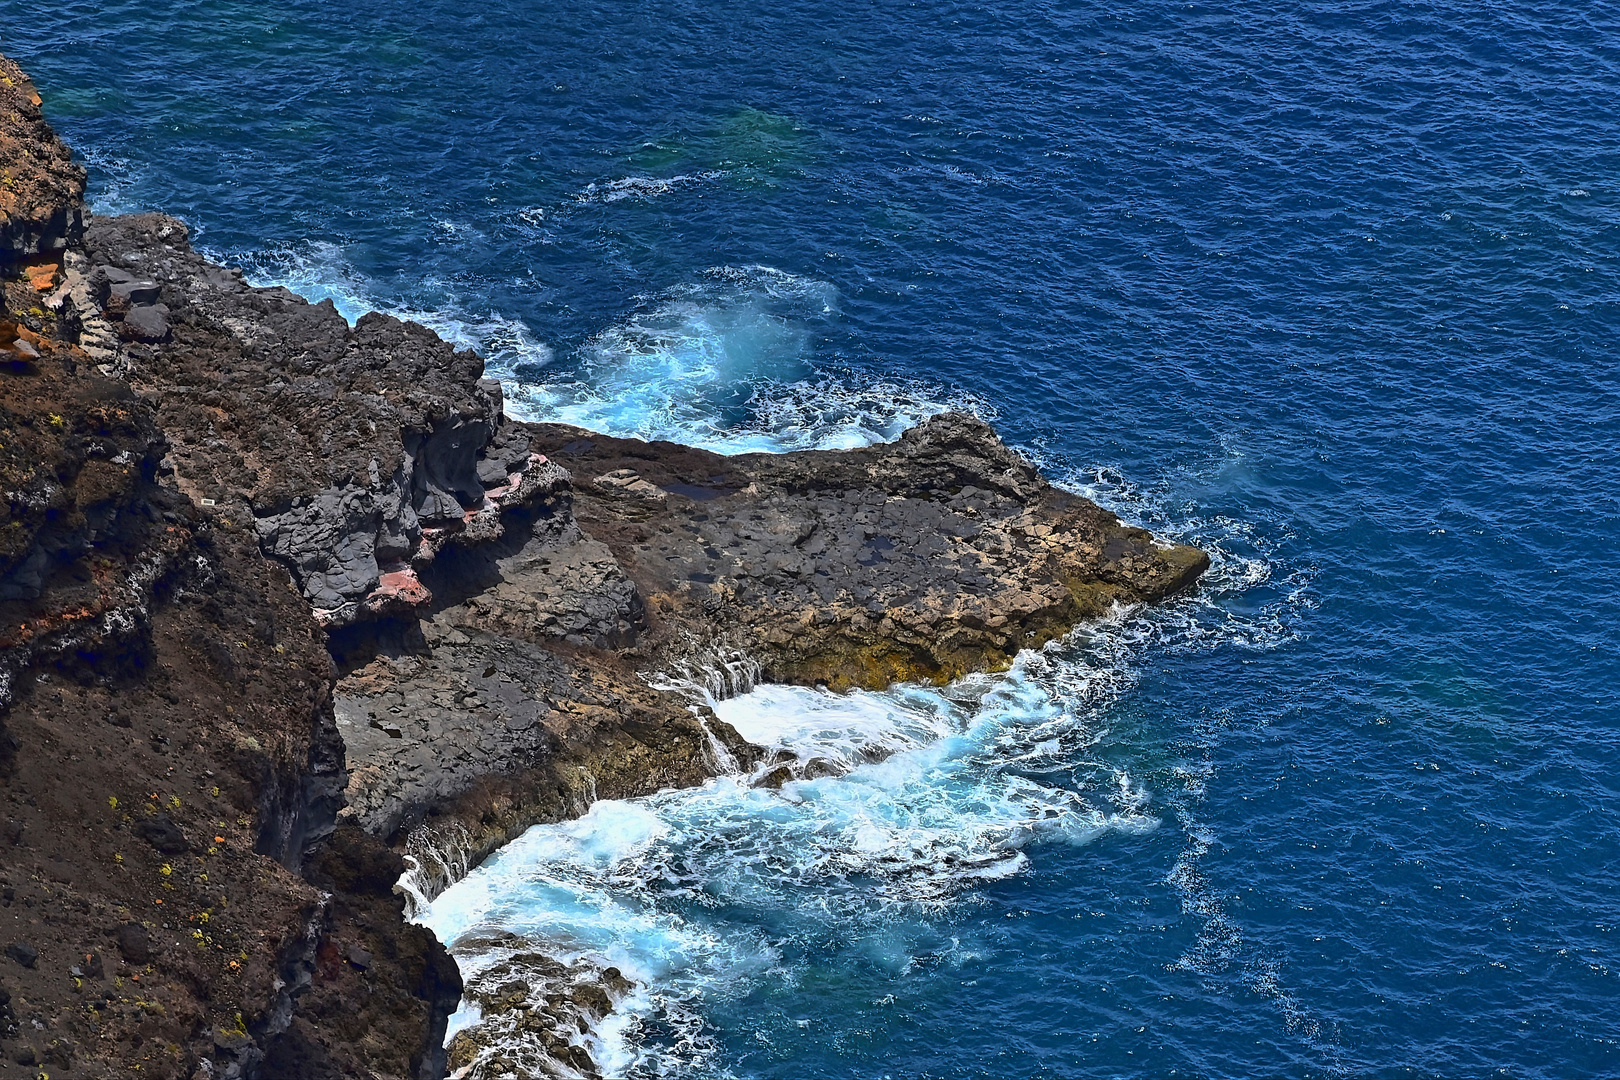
{"points": [[43, 276]]}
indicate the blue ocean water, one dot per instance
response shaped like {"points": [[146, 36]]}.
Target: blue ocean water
{"points": [[1328, 288]]}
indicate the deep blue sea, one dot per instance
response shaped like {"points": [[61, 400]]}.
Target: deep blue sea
{"points": [[1329, 288]]}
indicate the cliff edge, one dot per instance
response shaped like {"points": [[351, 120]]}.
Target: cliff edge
{"points": [[291, 612]]}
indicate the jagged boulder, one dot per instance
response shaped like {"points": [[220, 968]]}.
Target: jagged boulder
{"points": [[360, 450]]}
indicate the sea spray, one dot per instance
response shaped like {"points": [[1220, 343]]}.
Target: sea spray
{"points": [[894, 805], [726, 362], [436, 857], [872, 817]]}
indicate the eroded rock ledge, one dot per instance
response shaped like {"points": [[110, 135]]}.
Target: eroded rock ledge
{"points": [[287, 605]]}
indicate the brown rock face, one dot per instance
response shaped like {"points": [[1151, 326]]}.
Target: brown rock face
{"points": [[938, 555], [170, 772], [357, 448], [41, 189], [168, 767]]}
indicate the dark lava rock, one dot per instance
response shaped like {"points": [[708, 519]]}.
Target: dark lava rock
{"points": [[41, 202], [374, 465], [12, 832], [361, 450], [162, 833], [146, 323], [136, 293], [111, 565], [24, 954], [101, 279], [134, 943]]}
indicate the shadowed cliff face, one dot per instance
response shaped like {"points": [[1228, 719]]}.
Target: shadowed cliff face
{"points": [[41, 187], [171, 768], [359, 449], [170, 772], [213, 491]]}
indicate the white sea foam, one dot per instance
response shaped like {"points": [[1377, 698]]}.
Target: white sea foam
{"points": [[915, 796], [892, 809], [316, 270], [726, 363], [892, 806], [1245, 561], [640, 187], [114, 178]]}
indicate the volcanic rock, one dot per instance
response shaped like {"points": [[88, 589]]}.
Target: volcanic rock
{"points": [[134, 943], [41, 188], [296, 626], [148, 322], [162, 833]]}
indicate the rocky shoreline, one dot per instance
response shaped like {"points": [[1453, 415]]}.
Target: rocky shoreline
{"points": [[290, 607]]}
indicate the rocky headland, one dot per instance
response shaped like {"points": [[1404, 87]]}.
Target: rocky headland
{"points": [[296, 625]]}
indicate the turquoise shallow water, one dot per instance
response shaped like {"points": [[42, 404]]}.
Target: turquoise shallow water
{"points": [[1328, 288]]}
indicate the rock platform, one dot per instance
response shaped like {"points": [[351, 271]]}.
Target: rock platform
{"points": [[289, 607]]}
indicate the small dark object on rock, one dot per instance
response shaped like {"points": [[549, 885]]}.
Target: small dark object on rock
{"points": [[24, 1055], [359, 957], [162, 833], [92, 965], [24, 954], [117, 719], [11, 832], [134, 943]]}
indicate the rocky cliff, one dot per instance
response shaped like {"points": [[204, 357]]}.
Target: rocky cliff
{"points": [[289, 608], [175, 894]]}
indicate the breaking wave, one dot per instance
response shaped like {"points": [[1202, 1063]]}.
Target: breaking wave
{"points": [[726, 363], [842, 855]]}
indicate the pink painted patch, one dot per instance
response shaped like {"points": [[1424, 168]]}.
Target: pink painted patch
{"points": [[399, 586]]}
